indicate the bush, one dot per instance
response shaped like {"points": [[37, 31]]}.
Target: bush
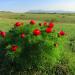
{"points": [[31, 47]]}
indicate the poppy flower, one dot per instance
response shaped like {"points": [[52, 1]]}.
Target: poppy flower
{"points": [[45, 23], [3, 34], [51, 24], [17, 24], [61, 33], [14, 47], [22, 35], [48, 30], [0, 32], [36, 32], [32, 22]]}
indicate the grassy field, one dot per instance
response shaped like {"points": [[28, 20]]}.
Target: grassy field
{"points": [[67, 21]]}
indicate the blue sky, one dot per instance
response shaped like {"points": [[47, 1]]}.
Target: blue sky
{"points": [[25, 5]]}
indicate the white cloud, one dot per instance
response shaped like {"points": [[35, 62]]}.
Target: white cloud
{"points": [[69, 6]]}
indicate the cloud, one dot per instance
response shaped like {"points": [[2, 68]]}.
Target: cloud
{"points": [[70, 6]]}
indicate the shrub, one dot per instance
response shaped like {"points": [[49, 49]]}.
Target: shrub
{"points": [[30, 46]]}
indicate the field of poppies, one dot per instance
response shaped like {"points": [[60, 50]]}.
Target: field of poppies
{"points": [[37, 44]]}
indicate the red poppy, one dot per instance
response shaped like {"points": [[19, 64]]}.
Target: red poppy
{"points": [[18, 24], [14, 47], [36, 32], [3, 34], [22, 35], [49, 30], [32, 22], [51, 24], [0, 32], [61, 33], [45, 23]]}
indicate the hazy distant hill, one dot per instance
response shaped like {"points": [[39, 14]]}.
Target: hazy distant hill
{"points": [[41, 11], [49, 11], [6, 12]]}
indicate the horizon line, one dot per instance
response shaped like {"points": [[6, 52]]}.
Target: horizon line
{"points": [[69, 11]]}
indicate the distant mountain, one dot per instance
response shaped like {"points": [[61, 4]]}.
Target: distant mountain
{"points": [[40, 11], [6, 12], [49, 11]]}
